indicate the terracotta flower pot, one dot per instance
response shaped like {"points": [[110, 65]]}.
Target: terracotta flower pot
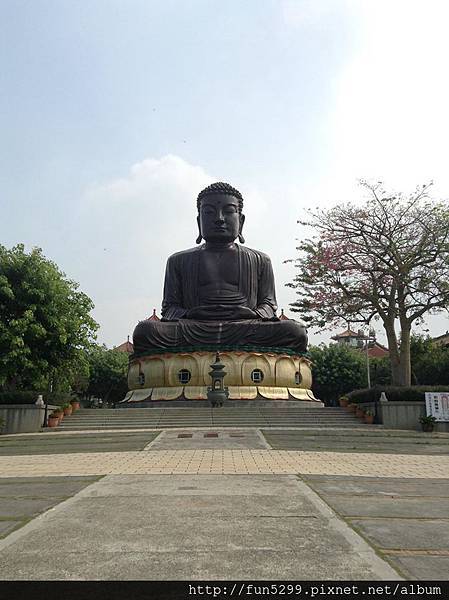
{"points": [[67, 411], [59, 414], [52, 421], [75, 405], [343, 402], [369, 419], [351, 407], [359, 413]]}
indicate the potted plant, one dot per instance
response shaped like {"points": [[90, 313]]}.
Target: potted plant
{"points": [[58, 413], [53, 420], [427, 423], [75, 404], [369, 417], [343, 401], [67, 408], [359, 412], [351, 407]]}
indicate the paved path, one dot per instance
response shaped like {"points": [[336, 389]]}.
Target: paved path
{"points": [[225, 462], [212, 504], [191, 527]]}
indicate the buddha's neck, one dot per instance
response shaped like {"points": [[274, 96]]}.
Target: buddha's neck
{"points": [[219, 246]]}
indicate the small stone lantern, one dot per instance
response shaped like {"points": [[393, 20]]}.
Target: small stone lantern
{"points": [[217, 393]]}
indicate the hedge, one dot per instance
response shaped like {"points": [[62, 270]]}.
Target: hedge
{"points": [[414, 393], [30, 397]]}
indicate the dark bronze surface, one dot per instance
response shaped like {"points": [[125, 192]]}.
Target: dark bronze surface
{"points": [[219, 293]]}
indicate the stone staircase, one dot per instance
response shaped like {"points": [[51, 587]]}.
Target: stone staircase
{"points": [[165, 418]]}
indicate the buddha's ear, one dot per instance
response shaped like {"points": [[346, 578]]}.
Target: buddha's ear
{"points": [[242, 221], [200, 237]]}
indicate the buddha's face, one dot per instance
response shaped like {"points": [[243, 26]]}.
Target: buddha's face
{"points": [[219, 219]]}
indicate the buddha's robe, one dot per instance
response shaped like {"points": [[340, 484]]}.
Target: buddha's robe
{"points": [[183, 291]]}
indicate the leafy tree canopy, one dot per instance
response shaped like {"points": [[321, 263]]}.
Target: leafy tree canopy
{"points": [[336, 370], [45, 320], [387, 259], [108, 374], [430, 362]]}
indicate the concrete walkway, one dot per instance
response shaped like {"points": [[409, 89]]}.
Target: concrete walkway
{"points": [[221, 505]]}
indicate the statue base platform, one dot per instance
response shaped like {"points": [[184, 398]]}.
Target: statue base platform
{"points": [[265, 377]]}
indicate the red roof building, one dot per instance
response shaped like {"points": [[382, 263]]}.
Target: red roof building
{"points": [[442, 340], [128, 346], [283, 317], [358, 341], [376, 350], [349, 337], [125, 347]]}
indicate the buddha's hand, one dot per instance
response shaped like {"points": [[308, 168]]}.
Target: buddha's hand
{"points": [[244, 312], [201, 312], [221, 312]]}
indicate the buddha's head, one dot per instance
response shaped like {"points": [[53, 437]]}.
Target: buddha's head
{"points": [[220, 217]]}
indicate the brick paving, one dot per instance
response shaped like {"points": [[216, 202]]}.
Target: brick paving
{"points": [[226, 462]]}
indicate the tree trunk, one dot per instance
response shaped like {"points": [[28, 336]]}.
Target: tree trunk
{"points": [[395, 359], [405, 367], [401, 372]]}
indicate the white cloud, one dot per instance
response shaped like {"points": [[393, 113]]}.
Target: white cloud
{"points": [[131, 225]]}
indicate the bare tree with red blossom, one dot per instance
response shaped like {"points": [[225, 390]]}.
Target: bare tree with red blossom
{"points": [[386, 259]]}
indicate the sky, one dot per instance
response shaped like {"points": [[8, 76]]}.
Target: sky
{"points": [[114, 114]]}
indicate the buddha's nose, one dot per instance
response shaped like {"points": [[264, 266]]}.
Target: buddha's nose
{"points": [[220, 217]]}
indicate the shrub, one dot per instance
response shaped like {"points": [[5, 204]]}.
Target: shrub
{"points": [[414, 393], [336, 370], [18, 397], [30, 397]]}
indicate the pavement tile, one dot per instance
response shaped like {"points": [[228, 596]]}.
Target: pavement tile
{"points": [[279, 535], [329, 484], [263, 564], [25, 507], [405, 533], [250, 461], [163, 506], [7, 526], [430, 568], [389, 507]]}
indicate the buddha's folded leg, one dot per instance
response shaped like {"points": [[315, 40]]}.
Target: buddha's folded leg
{"points": [[281, 334], [153, 335]]}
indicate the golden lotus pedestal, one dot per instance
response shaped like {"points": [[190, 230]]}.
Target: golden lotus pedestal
{"points": [[178, 378]]}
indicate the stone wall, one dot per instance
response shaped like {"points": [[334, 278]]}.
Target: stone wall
{"points": [[406, 415], [21, 418]]}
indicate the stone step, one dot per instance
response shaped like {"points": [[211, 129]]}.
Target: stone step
{"points": [[160, 418], [198, 419]]}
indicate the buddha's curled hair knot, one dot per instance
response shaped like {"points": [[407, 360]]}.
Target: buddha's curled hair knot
{"points": [[220, 188]]}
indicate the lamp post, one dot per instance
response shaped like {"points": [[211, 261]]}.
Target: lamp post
{"points": [[368, 338], [217, 393]]}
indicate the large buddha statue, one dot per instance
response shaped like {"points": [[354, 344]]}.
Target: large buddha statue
{"points": [[219, 294]]}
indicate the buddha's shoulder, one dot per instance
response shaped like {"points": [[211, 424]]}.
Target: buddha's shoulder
{"points": [[256, 253], [183, 254]]}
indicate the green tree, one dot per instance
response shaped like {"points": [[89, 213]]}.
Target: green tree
{"points": [[430, 362], [45, 321], [387, 259], [108, 374], [336, 370], [380, 371]]}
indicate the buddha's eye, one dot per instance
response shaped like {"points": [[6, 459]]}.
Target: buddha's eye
{"points": [[230, 210], [208, 210]]}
